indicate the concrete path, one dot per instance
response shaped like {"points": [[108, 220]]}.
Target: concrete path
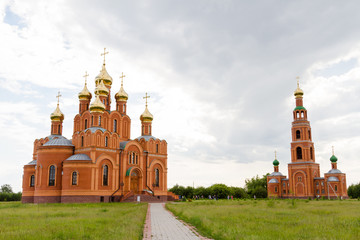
{"points": [[161, 224]]}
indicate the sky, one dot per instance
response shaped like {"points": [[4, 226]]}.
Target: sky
{"points": [[220, 75]]}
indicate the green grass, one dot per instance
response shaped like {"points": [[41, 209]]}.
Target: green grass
{"points": [[72, 221], [272, 219]]}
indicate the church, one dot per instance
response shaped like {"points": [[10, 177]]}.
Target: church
{"points": [[100, 163], [304, 179]]}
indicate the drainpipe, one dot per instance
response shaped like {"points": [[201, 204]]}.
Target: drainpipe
{"points": [[119, 176], [147, 166]]}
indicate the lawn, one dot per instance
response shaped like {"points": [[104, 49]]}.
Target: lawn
{"points": [[272, 219], [72, 221]]}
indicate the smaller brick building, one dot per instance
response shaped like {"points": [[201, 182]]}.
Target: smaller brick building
{"points": [[304, 173]]}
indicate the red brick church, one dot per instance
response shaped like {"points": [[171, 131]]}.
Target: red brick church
{"points": [[304, 179], [100, 163]]}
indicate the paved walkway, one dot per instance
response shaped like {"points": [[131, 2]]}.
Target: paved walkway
{"points": [[161, 224]]}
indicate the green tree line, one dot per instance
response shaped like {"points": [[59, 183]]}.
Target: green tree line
{"points": [[354, 191], [255, 186], [7, 194]]}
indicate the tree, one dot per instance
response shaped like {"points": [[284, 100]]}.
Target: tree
{"points": [[6, 188], [354, 191], [257, 186], [220, 190], [238, 192]]}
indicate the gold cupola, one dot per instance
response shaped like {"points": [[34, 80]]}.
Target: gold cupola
{"points": [[101, 90], [103, 75], [85, 93], [121, 95], [97, 105], [146, 116], [57, 115], [298, 92]]}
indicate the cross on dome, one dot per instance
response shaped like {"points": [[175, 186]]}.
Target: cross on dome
{"points": [[122, 78], [58, 97], [275, 154], [103, 54], [298, 83], [332, 150], [85, 76], [146, 97]]}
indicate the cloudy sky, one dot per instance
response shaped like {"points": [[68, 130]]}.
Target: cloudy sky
{"points": [[221, 76]]}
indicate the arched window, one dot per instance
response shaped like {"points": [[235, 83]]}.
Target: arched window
{"points": [[302, 114], [309, 134], [133, 158], [85, 123], [157, 148], [156, 177], [297, 114], [32, 181], [115, 125], [104, 101], [124, 109], [298, 153], [136, 159], [275, 189], [99, 120], [149, 129], [335, 188], [82, 141], [52, 175], [311, 153], [297, 134], [142, 132], [106, 141], [59, 129], [105, 175], [74, 179], [129, 158], [92, 120]]}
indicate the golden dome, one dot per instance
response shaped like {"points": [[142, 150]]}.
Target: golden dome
{"points": [[121, 94], [84, 94], [146, 116], [103, 75], [298, 92], [97, 105], [101, 89], [57, 115]]}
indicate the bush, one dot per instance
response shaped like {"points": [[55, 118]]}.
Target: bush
{"points": [[10, 196], [354, 191]]}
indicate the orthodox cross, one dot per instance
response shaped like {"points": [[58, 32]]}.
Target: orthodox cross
{"points": [[297, 78], [103, 54], [275, 154], [85, 76], [146, 97], [332, 150], [58, 97], [122, 78]]}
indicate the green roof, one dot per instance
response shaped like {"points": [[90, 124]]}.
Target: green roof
{"points": [[276, 162], [299, 108], [333, 158]]}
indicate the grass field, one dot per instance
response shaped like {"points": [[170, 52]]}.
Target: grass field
{"points": [[72, 221], [272, 219]]}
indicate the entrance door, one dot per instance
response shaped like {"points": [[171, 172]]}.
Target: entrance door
{"points": [[134, 182]]}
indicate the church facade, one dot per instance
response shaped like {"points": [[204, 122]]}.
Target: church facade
{"points": [[100, 163], [304, 179]]}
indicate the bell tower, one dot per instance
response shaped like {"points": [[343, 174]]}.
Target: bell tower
{"points": [[302, 168], [146, 119]]}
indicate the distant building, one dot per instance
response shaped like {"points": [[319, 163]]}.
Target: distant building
{"points": [[100, 163], [304, 173]]}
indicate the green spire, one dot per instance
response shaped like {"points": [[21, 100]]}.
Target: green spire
{"points": [[333, 157], [276, 162]]}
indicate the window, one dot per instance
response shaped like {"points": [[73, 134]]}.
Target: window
{"points": [[106, 141], [85, 123], [136, 157], [124, 110], [59, 129], [52, 175], [317, 183], [317, 191], [32, 181], [298, 153], [309, 134], [311, 153], [302, 114], [149, 130], [133, 158], [335, 188], [82, 141], [92, 120], [284, 191], [276, 189], [115, 125], [322, 183], [156, 177], [299, 179], [99, 120], [129, 158], [297, 114], [297, 134], [142, 130], [284, 185], [105, 175], [322, 191], [157, 148], [74, 178]]}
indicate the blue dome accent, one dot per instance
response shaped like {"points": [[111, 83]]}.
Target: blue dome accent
{"points": [[94, 129], [79, 157], [147, 137], [276, 174], [273, 180], [334, 171], [33, 162], [333, 179], [58, 141]]}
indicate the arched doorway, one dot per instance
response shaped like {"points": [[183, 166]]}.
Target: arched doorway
{"points": [[300, 189], [134, 181]]}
